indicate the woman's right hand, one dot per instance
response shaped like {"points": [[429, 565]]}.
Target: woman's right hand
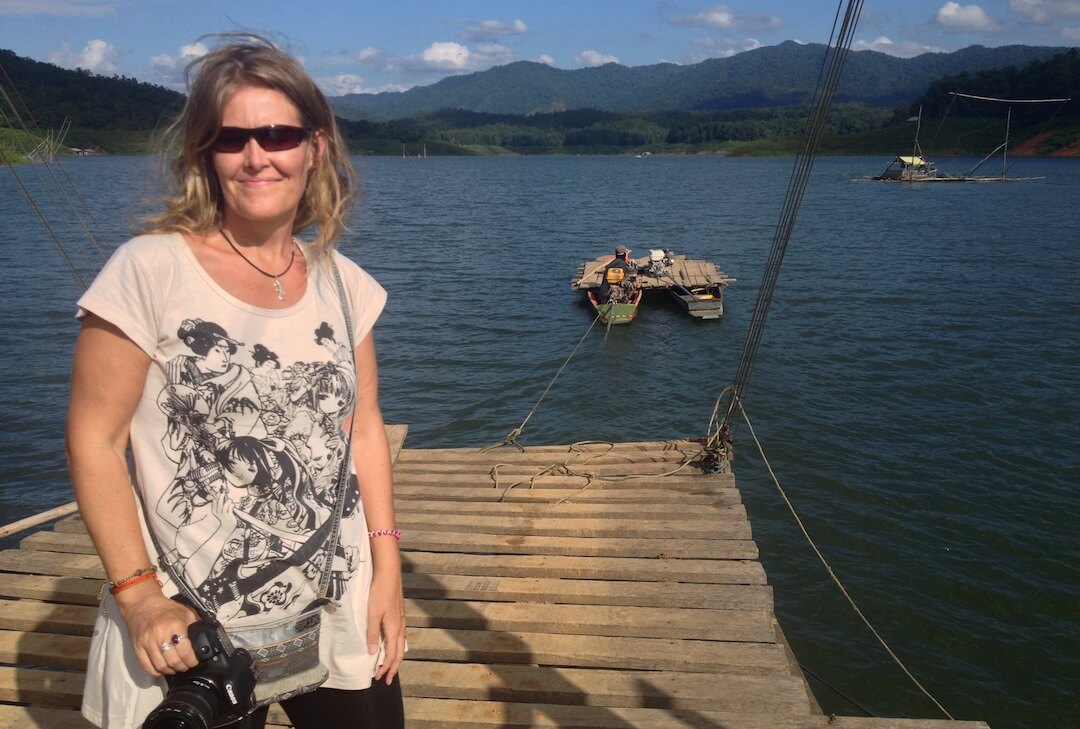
{"points": [[152, 620]]}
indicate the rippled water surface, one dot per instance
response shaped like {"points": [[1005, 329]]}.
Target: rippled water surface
{"points": [[916, 391]]}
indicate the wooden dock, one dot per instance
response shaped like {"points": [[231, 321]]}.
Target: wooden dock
{"points": [[682, 272], [608, 586]]}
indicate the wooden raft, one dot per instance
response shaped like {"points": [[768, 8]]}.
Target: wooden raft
{"points": [[683, 271], [552, 600]]}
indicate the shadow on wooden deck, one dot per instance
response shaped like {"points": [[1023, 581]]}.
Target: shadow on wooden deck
{"points": [[604, 601]]}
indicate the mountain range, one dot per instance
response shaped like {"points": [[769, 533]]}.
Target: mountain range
{"points": [[780, 75]]}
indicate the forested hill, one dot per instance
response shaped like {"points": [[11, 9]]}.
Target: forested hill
{"points": [[780, 75], [54, 94]]}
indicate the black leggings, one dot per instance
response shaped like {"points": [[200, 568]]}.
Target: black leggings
{"points": [[378, 707]]}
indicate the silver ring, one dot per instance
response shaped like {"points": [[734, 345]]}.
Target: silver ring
{"points": [[166, 647]]}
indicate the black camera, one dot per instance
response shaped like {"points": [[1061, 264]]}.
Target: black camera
{"points": [[220, 690]]}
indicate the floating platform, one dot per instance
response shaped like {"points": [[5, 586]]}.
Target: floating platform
{"points": [[608, 586], [696, 286]]}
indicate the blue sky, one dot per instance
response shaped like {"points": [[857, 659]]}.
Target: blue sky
{"points": [[355, 46]]}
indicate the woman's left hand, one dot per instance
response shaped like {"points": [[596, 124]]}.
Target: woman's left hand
{"points": [[386, 617]]}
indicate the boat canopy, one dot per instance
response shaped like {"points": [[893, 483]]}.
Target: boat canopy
{"points": [[912, 161]]}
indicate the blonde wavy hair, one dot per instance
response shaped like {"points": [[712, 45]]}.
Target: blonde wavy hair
{"points": [[194, 202]]}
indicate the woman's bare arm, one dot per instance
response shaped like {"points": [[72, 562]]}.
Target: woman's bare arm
{"points": [[107, 380]]}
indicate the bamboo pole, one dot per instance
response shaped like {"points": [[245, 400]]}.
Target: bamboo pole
{"points": [[38, 519]]}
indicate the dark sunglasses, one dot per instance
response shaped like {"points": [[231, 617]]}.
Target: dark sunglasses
{"points": [[274, 138]]}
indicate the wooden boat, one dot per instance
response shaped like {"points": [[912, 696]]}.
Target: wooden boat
{"points": [[697, 286], [917, 168], [620, 312], [700, 302], [912, 168]]}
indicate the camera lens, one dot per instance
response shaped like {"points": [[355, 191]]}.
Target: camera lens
{"points": [[184, 708]]}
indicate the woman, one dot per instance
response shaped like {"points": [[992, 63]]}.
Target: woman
{"points": [[259, 160]]}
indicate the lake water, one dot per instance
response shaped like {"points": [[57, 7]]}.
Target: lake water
{"points": [[916, 390]]}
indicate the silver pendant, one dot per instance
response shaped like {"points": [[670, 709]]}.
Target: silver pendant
{"points": [[280, 288]]}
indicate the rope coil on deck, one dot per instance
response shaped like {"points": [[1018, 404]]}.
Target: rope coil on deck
{"points": [[564, 469]]}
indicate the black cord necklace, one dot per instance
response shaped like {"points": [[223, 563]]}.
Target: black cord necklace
{"points": [[278, 286]]}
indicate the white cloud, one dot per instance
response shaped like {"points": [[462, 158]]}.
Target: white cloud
{"points": [[447, 56], [724, 18], [184, 56], [344, 83], [59, 8], [972, 18], [492, 29], [1047, 11], [450, 57], [366, 55], [907, 49], [545, 58], [97, 57], [593, 58], [168, 70], [723, 48]]}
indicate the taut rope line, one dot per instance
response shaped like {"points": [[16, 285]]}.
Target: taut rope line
{"points": [[64, 186], [511, 437], [828, 81], [828, 567]]}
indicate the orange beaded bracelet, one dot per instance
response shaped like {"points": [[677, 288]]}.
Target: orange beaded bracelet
{"points": [[131, 581]]}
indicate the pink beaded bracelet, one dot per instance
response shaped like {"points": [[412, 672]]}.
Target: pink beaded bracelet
{"points": [[385, 533]]}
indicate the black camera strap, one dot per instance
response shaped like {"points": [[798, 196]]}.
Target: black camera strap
{"points": [[326, 536]]}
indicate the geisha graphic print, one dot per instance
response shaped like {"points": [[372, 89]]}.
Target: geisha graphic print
{"points": [[238, 437], [256, 447]]}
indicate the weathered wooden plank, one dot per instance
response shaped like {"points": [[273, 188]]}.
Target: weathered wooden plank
{"points": [[43, 687], [487, 494], [529, 459], [54, 541], [70, 590], [554, 526], [434, 540], [492, 578], [41, 717], [588, 592], [751, 626], [720, 549], [534, 451], [885, 722], [426, 713], [658, 468], [51, 563], [438, 644], [395, 436], [583, 568], [627, 513], [45, 617], [44, 649], [550, 649], [668, 622], [596, 687], [525, 479]]}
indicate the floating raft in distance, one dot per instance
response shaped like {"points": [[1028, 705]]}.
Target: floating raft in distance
{"points": [[696, 286]]}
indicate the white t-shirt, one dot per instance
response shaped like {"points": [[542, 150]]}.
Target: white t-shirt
{"points": [[237, 441]]}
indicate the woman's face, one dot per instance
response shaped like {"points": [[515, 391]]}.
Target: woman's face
{"points": [[241, 473], [217, 359], [329, 401], [260, 187]]}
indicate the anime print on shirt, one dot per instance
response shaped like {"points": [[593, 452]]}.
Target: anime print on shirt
{"points": [[238, 435], [257, 451]]}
